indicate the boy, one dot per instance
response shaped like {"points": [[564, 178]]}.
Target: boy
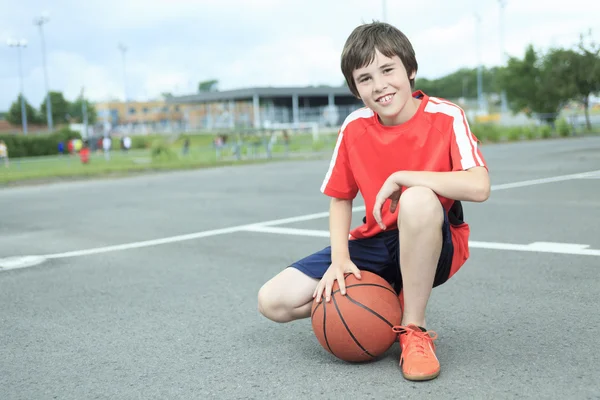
{"points": [[415, 151]]}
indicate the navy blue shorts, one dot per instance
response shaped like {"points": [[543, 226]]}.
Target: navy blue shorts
{"points": [[381, 255]]}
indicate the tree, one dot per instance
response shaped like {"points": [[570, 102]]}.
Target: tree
{"points": [[60, 107], [585, 69], [76, 110], [208, 86], [533, 86], [462, 83], [14, 113]]}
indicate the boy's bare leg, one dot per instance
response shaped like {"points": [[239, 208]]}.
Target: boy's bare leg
{"points": [[287, 296], [420, 221]]}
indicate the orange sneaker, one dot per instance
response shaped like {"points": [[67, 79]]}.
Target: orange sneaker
{"points": [[418, 359]]}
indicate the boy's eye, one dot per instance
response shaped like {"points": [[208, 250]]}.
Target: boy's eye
{"points": [[388, 70], [364, 79]]}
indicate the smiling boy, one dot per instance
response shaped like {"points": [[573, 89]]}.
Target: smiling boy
{"points": [[414, 160]]}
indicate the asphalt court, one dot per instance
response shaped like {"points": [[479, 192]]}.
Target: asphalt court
{"points": [[178, 319]]}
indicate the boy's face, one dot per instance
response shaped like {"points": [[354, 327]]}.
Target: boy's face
{"points": [[384, 87]]}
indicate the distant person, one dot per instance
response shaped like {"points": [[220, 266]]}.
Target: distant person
{"points": [[61, 147], [414, 234], [186, 146], [218, 143], [126, 143], [106, 146], [4, 153], [286, 142], [84, 153], [77, 145]]}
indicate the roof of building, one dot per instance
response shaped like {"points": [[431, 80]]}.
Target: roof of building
{"points": [[248, 93]]}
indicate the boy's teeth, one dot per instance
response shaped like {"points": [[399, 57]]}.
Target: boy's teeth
{"points": [[386, 98]]}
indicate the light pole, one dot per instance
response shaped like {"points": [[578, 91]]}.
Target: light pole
{"points": [[503, 101], [479, 66], [84, 114], [20, 44], [123, 50], [40, 23], [384, 10]]}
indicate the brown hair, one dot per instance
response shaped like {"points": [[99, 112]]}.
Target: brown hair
{"points": [[360, 47]]}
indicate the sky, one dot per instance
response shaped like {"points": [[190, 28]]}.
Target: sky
{"points": [[174, 44]]}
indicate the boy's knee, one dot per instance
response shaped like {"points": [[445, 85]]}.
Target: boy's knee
{"points": [[270, 305], [420, 205]]}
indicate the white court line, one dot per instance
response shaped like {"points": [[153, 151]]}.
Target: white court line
{"points": [[494, 188], [30, 260], [537, 247]]}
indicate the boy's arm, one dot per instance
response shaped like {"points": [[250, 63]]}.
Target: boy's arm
{"points": [[340, 218], [470, 185]]}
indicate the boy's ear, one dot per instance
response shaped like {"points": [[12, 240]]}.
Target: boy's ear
{"points": [[412, 75]]}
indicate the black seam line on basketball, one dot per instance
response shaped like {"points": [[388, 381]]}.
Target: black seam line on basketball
{"points": [[315, 310], [348, 329], [356, 284], [325, 329], [381, 317], [367, 284]]}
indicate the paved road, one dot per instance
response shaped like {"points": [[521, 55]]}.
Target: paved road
{"points": [[177, 318]]}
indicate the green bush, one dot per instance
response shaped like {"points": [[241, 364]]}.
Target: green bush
{"points": [[545, 131], [563, 128], [514, 133], [530, 132], [141, 142], [37, 145], [487, 132], [162, 152]]}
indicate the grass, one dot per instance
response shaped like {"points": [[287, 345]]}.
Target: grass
{"points": [[203, 155], [200, 155]]}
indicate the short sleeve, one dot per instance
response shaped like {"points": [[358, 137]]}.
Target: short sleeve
{"points": [[339, 181], [464, 146]]}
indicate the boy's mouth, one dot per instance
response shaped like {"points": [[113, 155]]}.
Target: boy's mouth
{"points": [[383, 100]]}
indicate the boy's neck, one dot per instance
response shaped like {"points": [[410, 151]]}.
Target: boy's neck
{"points": [[408, 111]]}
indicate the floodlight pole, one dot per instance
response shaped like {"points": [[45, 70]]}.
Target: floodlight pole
{"points": [[479, 66], [384, 10], [123, 50], [40, 23], [84, 113], [504, 102], [21, 44]]}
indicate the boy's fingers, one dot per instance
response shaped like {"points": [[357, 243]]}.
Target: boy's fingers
{"points": [[342, 283], [393, 205], [318, 293], [328, 291]]}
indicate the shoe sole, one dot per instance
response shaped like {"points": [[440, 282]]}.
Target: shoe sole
{"points": [[421, 377]]}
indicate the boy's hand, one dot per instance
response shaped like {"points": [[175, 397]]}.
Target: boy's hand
{"points": [[335, 272], [389, 190]]}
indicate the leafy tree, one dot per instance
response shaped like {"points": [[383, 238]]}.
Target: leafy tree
{"points": [[533, 85], [585, 70], [208, 86], [14, 113], [461, 83], [76, 110], [60, 107]]}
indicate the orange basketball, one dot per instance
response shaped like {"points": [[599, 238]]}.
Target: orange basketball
{"points": [[357, 326]]}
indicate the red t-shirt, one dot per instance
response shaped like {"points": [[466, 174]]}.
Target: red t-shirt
{"points": [[436, 138]]}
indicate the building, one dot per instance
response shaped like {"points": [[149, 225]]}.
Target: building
{"points": [[265, 107], [139, 116], [251, 108]]}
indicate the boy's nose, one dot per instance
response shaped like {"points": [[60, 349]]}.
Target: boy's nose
{"points": [[379, 85]]}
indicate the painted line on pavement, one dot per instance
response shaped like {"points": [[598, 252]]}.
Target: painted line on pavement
{"points": [[31, 260], [536, 247]]}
